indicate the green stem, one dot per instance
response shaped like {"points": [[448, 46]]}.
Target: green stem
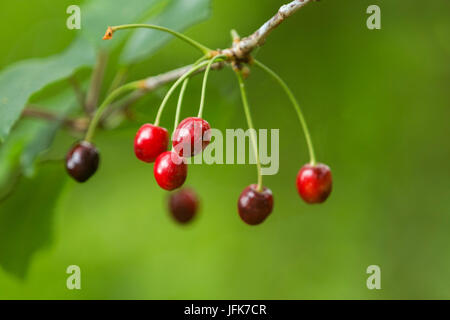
{"points": [[252, 129], [174, 86], [180, 102], [181, 36], [110, 98], [296, 106], [205, 80]]}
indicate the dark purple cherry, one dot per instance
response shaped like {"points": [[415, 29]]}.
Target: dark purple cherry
{"points": [[191, 136], [82, 161], [183, 205], [255, 206], [170, 170], [314, 183]]}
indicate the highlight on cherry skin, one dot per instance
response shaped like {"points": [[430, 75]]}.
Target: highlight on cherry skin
{"points": [[191, 136], [170, 170], [150, 141], [183, 205], [255, 206], [82, 161], [314, 183]]}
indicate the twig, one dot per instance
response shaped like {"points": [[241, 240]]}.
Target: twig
{"points": [[242, 48], [96, 83], [80, 95], [152, 83], [79, 124]]}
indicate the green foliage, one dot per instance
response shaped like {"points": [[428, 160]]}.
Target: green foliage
{"points": [[377, 104], [21, 80], [27, 80], [26, 218], [178, 15]]}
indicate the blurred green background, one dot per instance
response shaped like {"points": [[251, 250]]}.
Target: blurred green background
{"points": [[378, 106]]}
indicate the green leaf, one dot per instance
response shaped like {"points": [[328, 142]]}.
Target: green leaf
{"points": [[31, 138], [99, 14], [26, 218], [178, 15], [19, 81]]}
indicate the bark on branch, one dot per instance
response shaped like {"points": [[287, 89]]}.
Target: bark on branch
{"points": [[241, 49]]}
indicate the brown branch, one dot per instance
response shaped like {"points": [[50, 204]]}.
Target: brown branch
{"points": [[80, 95], [150, 84], [241, 49], [78, 124], [96, 83], [239, 52]]}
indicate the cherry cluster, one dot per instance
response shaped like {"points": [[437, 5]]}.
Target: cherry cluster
{"points": [[151, 142], [192, 135]]}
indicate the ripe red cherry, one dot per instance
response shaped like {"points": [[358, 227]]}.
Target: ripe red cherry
{"points": [[314, 183], [191, 136], [82, 161], [183, 205], [170, 170], [150, 141], [254, 206]]}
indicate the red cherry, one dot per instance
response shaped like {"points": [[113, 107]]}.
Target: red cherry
{"points": [[183, 205], [314, 183], [170, 170], [82, 161], [191, 136], [150, 141], [255, 206]]}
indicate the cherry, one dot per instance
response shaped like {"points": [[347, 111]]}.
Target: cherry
{"points": [[183, 205], [82, 161], [314, 183], [255, 206], [150, 141], [191, 136], [170, 170]]}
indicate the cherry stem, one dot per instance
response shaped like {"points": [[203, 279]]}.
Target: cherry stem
{"points": [[252, 129], [174, 86], [179, 35], [180, 102], [296, 106], [110, 98], [205, 81]]}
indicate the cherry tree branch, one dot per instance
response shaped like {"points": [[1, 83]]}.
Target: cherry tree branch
{"points": [[77, 124], [243, 47], [152, 83], [96, 83]]}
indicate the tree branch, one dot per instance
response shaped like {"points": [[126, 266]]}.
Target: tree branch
{"points": [[152, 83], [79, 124], [96, 83], [242, 48]]}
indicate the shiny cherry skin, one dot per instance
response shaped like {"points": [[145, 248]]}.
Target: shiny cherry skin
{"points": [[183, 205], [255, 206], [191, 136], [314, 183], [150, 141], [170, 170], [82, 161]]}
